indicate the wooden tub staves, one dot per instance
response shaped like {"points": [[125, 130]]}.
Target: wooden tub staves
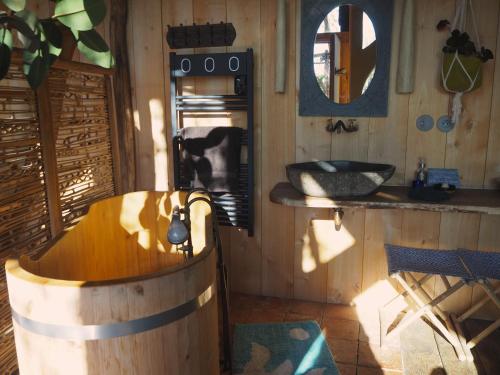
{"points": [[112, 296]]}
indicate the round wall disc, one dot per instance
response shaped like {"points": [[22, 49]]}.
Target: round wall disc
{"points": [[425, 123], [444, 124]]}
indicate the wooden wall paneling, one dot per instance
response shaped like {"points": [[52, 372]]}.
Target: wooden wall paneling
{"points": [[131, 50], [209, 11], [381, 227], [345, 259], [278, 149], [313, 142], [149, 86], [312, 226], [246, 252], [174, 13], [420, 229], [492, 175], [106, 28], [41, 8], [489, 240], [116, 35], [115, 142], [457, 230], [212, 11], [312, 246], [466, 144], [351, 146], [48, 135], [428, 96], [286, 137], [387, 136]]}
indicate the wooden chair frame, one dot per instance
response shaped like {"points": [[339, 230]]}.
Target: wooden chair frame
{"points": [[426, 306], [491, 294]]}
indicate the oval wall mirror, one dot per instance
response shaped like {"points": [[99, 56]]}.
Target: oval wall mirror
{"points": [[345, 51], [345, 57]]}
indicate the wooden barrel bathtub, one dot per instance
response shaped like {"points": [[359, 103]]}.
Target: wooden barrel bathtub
{"points": [[112, 296]]}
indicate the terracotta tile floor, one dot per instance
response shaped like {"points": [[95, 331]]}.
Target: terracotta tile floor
{"points": [[354, 342]]}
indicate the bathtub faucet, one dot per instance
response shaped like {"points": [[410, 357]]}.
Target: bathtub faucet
{"points": [[177, 231]]}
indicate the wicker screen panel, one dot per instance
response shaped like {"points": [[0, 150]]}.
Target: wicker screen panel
{"points": [[24, 217], [83, 143]]}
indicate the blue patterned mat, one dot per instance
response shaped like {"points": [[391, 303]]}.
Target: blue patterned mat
{"points": [[297, 348]]}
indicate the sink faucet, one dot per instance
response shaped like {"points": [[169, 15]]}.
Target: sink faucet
{"points": [[338, 214], [341, 126]]}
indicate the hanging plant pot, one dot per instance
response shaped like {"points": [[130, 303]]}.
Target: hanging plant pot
{"points": [[461, 73]]}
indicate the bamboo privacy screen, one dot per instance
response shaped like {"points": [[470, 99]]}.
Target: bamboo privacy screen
{"points": [[83, 143], [57, 153], [24, 218]]}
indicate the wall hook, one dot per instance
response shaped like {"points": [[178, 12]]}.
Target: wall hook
{"points": [[338, 214]]}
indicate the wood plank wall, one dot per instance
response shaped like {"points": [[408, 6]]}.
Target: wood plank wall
{"points": [[297, 253]]}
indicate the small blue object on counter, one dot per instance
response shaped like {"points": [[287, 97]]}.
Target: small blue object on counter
{"points": [[445, 176]]}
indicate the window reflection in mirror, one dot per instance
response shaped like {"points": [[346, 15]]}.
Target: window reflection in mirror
{"points": [[345, 54]]}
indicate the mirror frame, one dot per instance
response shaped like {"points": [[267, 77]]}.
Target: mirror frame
{"points": [[373, 103]]}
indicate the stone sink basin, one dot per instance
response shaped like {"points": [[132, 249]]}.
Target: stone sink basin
{"points": [[338, 178]]}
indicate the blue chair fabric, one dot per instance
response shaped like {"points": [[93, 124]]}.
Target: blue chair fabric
{"points": [[482, 264], [431, 261]]}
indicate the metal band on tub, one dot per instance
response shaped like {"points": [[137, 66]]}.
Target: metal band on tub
{"points": [[110, 330]]}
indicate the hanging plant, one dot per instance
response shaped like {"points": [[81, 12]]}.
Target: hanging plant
{"points": [[461, 69], [42, 39]]}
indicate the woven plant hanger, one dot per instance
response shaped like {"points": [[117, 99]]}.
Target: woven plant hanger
{"points": [[459, 22]]}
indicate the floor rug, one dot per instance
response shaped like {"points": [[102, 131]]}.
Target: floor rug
{"points": [[297, 348]]}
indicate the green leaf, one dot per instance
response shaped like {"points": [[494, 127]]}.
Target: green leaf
{"points": [[20, 25], [28, 58], [52, 41], [6, 38], [81, 15], [37, 72], [104, 59], [15, 5], [54, 53], [75, 33], [52, 33], [29, 18], [93, 40], [36, 65], [53, 50], [5, 53], [27, 24]]}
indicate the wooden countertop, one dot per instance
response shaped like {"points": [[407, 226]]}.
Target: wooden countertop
{"points": [[463, 200]]}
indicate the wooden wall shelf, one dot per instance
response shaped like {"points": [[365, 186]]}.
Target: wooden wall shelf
{"points": [[463, 200]]}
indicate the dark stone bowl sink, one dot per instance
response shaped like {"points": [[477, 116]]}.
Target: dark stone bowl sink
{"points": [[338, 178]]}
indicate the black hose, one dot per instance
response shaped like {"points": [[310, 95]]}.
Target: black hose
{"points": [[221, 267]]}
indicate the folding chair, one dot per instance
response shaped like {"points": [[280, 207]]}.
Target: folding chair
{"points": [[401, 262], [484, 266]]}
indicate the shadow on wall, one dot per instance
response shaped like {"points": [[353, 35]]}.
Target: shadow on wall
{"points": [[439, 371], [353, 275], [211, 157]]}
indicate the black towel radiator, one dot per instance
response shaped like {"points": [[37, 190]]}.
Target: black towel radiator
{"points": [[234, 208]]}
